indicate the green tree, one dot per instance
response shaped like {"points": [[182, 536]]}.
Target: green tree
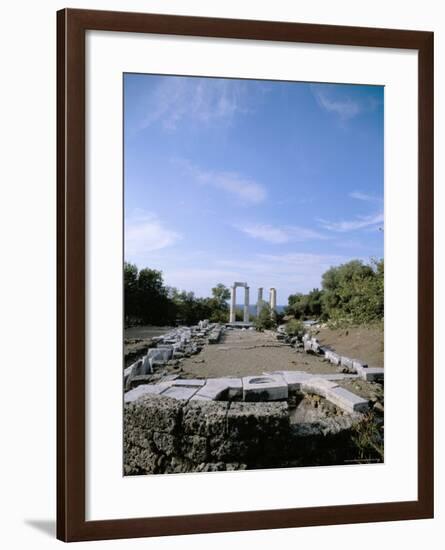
{"points": [[303, 306], [314, 303], [218, 304], [354, 291], [152, 297], [297, 304], [265, 319], [130, 292], [221, 294]]}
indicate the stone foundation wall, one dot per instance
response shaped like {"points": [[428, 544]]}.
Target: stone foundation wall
{"points": [[164, 435]]}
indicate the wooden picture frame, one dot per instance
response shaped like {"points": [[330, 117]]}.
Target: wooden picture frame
{"points": [[72, 25]]}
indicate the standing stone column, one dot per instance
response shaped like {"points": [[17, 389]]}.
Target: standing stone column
{"points": [[273, 299], [246, 304], [232, 304], [259, 301]]}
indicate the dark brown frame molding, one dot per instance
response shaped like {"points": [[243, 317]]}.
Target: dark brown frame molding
{"points": [[71, 27]]}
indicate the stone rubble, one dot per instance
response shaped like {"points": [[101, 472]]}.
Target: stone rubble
{"points": [[273, 386], [349, 365], [175, 424], [176, 344]]}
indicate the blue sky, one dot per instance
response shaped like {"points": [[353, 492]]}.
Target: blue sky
{"points": [[259, 181]]}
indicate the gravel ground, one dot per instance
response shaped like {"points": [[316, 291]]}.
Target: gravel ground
{"points": [[244, 353]]}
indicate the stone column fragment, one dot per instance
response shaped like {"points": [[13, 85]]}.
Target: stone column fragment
{"points": [[246, 304], [232, 304], [259, 301], [273, 299]]}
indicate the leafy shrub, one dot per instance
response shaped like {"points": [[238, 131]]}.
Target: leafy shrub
{"points": [[294, 327], [266, 318]]}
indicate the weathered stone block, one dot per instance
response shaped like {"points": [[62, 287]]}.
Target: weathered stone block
{"points": [[166, 443], [337, 376], [307, 344], [204, 418], [294, 379], [190, 382], [199, 397], [154, 412], [235, 387], [346, 362], [154, 353], [220, 388], [318, 386], [133, 369], [211, 467], [167, 353], [248, 420], [194, 447], [179, 392], [134, 434], [264, 388], [169, 378], [144, 389], [226, 449], [137, 460], [348, 401], [215, 336], [373, 374], [358, 365], [147, 365], [333, 357], [315, 345]]}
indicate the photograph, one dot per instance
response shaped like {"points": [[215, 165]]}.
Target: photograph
{"points": [[223, 225], [253, 274]]}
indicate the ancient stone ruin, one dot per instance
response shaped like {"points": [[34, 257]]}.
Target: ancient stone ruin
{"points": [[232, 316], [272, 419]]}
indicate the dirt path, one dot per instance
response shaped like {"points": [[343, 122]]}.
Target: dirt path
{"points": [[243, 353]]}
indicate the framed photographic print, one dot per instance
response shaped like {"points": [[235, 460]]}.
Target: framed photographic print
{"points": [[245, 275]]}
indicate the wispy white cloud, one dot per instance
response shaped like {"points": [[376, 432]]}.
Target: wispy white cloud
{"points": [[279, 235], [364, 197], [359, 222], [144, 232], [243, 188], [332, 99], [288, 273], [345, 108], [201, 100]]}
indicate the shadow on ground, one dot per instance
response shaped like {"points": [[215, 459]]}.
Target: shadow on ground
{"points": [[46, 526]]}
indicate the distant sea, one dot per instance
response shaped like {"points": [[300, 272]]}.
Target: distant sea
{"points": [[252, 308]]}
